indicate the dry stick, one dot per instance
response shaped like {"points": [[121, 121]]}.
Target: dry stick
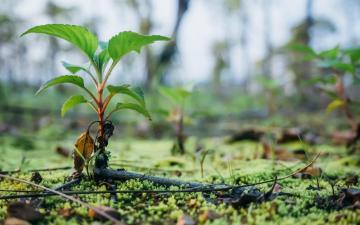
{"points": [[150, 168], [125, 175], [37, 170], [290, 175], [100, 212]]}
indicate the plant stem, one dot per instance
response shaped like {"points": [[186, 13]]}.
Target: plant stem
{"points": [[340, 89], [100, 110], [108, 73]]}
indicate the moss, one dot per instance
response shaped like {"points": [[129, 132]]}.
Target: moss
{"points": [[236, 163]]}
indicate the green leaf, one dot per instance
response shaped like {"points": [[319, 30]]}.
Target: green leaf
{"points": [[136, 93], [334, 105], [77, 35], [72, 79], [72, 68], [102, 59], [321, 79], [337, 64], [71, 102], [330, 54], [176, 95], [354, 54], [344, 67], [127, 41], [302, 49], [138, 108]]}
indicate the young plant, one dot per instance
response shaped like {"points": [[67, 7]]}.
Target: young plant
{"points": [[102, 58], [176, 115], [337, 63]]}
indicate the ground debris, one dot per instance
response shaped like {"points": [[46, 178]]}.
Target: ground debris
{"points": [[242, 196], [65, 152], [185, 220], [15, 221], [108, 210], [23, 211], [36, 177], [246, 135], [309, 172], [348, 198], [280, 153]]}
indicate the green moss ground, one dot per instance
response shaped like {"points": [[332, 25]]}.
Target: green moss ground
{"points": [[236, 163]]}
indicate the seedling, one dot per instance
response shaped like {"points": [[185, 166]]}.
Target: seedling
{"points": [[337, 63], [102, 57], [177, 96]]}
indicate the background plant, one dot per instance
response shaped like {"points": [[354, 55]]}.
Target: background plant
{"points": [[176, 114], [336, 64]]}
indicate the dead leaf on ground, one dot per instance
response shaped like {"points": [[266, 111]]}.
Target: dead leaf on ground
{"points": [[208, 215], [185, 220], [15, 221], [23, 211], [108, 210], [311, 171], [283, 154], [351, 180], [246, 135], [63, 151], [66, 213], [342, 137], [85, 146]]}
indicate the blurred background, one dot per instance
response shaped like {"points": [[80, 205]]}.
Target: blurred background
{"points": [[232, 55]]}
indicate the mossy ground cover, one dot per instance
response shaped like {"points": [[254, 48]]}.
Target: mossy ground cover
{"points": [[237, 163]]}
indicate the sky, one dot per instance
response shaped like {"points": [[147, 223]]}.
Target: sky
{"points": [[204, 24]]}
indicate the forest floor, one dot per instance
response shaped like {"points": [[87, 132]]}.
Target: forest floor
{"points": [[307, 198]]}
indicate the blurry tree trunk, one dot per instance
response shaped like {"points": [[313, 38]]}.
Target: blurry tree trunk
{"points": [[156, 67], [267, 61], [52, 57], [162, 63], [244, 24], [303, 68], [221, 55]]}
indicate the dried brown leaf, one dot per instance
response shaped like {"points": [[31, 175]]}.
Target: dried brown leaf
{"points": [[108, 210], [15, 221], [85, 146], [185, 220]]}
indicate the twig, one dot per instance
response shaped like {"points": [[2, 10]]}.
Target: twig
{"points": [[150, 168], [125, 175], [36, 170], [100, 212]]}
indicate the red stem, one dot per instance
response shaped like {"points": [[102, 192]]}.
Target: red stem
{"points": [[100, 110]]}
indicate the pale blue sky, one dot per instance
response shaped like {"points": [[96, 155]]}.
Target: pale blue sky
{"points": [[204, 24]]}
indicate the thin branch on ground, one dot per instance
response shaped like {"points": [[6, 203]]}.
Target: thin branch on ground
{"points": [[99, 211]]}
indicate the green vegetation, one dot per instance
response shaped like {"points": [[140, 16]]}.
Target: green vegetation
{"points": [[99, 55], [234, 129]]}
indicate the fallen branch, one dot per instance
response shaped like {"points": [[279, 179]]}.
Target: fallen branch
{"points": [[126, 175], [196, 187], [99, 211], [151, 168]]}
